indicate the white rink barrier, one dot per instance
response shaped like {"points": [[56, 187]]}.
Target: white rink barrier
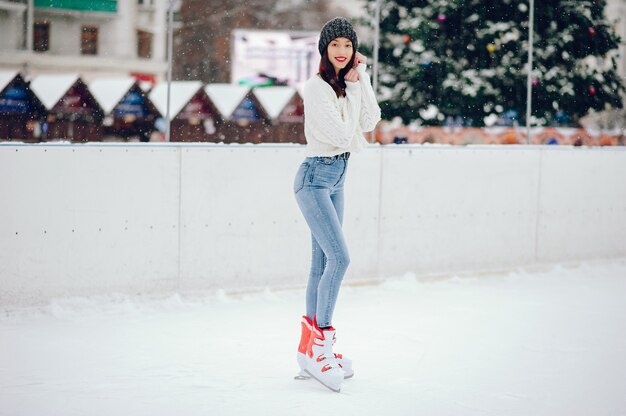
{"points": [[104, 218]]}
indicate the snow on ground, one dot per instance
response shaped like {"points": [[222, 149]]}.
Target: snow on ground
{"points": [[542, 342]]}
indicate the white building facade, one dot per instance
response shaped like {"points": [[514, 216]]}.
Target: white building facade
{"points": [[93, 38]]}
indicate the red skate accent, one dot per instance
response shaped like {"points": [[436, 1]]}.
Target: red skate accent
{"points": [[306, 334], [316, 333]]}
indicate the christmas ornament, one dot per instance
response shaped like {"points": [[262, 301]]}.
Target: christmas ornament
{"points": [[406, 38], [491, 48], [534, 82], [592, 90], [441, 18], [592, 31]]}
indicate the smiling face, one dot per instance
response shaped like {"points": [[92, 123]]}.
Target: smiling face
{"points": [[339, 53]]}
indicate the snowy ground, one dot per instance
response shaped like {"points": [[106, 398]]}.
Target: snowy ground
{"points": [[548, 342]]}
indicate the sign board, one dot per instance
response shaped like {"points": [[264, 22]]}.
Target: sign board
{"points": [[290, 57], [80, 5]]}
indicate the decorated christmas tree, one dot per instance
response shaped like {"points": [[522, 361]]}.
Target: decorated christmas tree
{"points": [[465, 61]]}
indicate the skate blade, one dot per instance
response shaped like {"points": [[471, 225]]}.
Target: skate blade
{"points": [[305, 377], [302, 375], [322, 383]]}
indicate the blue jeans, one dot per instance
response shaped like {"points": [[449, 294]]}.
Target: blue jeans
{"points": [[318, 188]]}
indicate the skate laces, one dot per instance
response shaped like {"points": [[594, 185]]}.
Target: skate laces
{"points": [[324, 351], [337, 355], [334, 340]]}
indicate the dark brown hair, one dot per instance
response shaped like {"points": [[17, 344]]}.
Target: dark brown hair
{"points": [[327, 72]]}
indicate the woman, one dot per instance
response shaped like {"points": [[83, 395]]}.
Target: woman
{"points": [[339, 106]]}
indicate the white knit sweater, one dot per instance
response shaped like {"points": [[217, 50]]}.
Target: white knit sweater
{"points": [[334, 125]]}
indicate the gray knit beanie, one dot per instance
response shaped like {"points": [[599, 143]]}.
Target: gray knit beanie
{"points": [[335, 28]]}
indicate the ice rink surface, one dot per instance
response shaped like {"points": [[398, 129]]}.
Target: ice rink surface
{"points": [[548, 341]]}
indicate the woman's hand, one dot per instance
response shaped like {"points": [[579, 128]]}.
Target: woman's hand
{"points": [[359, 58], [351, 75]]}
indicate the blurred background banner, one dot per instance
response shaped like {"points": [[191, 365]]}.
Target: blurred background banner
{"points": [[277, 58]]}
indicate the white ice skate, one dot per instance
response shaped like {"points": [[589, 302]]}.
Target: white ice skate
{"points": [[344, 363], [321, 363]]}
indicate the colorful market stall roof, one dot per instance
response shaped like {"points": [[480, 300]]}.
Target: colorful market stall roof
{"points": [[300, 88], [13, 98], [65, 94], [180, 94], [293, 111], [227, 97], [6, 77], [51, 88], [249, 110], [16, 97], [274, 99], [121, 97], [110, 91]]}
